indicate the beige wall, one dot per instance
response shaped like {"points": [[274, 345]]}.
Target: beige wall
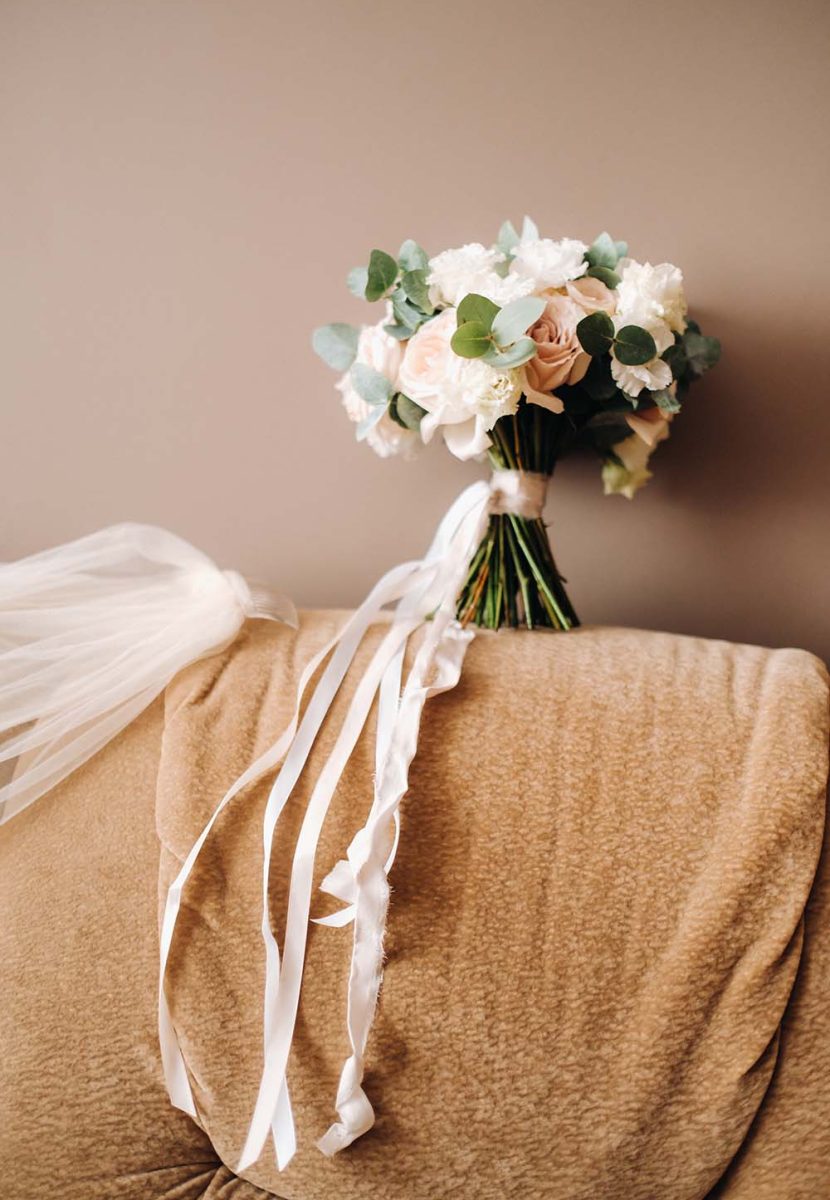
{"points": [[184, 185]]}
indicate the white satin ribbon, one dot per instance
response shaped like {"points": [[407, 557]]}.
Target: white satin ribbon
{"points": [[426, 594], [432, 591], [91, 632]]}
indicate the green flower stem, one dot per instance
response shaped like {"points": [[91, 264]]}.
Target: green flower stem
{"points": [[513, 579]]}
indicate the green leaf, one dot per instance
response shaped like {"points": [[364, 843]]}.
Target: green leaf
{"points": [[607, 429], [399, 332], [603, 252], [356, 281], [520, 352], [405, 311], [701, 352], [634, 346], [610, 278], [622, 249], [530, 233], [675, 356], [664, 400], [598, 381], [368, 423], [370, 385], [414, 283], [412, 257], [595, 333], [382, 273], [508, 238], [471, 340], [336, 344], [516, 318], [406, 412], [477, 308]]}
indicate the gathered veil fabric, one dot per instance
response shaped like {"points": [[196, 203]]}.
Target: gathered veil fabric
{"points": [[91, 632]]}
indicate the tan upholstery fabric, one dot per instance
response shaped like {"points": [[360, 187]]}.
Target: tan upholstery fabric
{"points": [[596, 925]]}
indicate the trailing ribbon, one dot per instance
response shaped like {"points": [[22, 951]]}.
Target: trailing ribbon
{"points": [[425, 595]]}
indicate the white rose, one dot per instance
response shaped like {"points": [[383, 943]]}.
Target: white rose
{"points": [[653, 375], [649, 295], [376, 349], [548, 264], [463, 397], [455, 273]]}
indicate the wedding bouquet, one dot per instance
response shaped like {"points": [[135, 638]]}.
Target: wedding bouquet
{"points": [[519, 352]]}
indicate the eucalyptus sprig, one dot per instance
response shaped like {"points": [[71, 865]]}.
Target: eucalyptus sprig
{"points": [[496, 335]]}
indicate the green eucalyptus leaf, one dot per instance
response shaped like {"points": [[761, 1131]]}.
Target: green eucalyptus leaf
{"points": [[512, 321], [477, 308], [414, 283], [471, 340], [521, 351], [621, 248], [368, 423], [701, 352], [370, 385], [406, 412], [405, 311], [382, 273], [356, 281], [634, 346], [508, 238], [675, 356], [399, 332], [595, 333], [336, 344], [530, 232], [603, 252], [610, 278], [412, 257], [664, 400]]}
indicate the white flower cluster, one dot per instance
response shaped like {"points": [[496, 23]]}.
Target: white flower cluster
{"points": [[581, 306]]}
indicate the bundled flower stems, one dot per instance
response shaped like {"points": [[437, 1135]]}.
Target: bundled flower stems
{"points": [[519, 353]]}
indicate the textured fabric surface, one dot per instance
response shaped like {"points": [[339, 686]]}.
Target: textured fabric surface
{"points": [[595, 930]]}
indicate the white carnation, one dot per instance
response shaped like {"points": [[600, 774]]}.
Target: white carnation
{"points": [[548, 264], [653, 375], [453, 274], [650, 296]]}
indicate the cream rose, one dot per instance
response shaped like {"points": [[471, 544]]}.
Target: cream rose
{"points": [[559, 357], [463, 397]]}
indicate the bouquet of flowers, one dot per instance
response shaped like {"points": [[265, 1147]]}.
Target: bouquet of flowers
{"points": [[519, 352]]}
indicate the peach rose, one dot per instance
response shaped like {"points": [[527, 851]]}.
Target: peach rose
{"points": [[559, 357], [650, 424], [592, 295]]}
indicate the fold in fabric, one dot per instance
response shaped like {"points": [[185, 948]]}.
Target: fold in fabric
{"points": [[92, 632]]}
